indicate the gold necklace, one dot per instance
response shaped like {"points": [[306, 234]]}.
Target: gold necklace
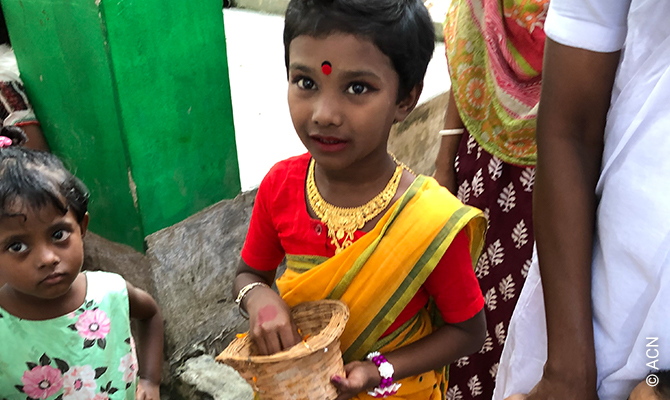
{"points": [[343, 222]]}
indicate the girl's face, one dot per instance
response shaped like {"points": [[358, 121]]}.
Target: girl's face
{"points": [[41, 251], [345, 116]]}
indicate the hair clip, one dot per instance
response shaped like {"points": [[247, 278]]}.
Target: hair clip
{"points": [[326, 68], [5, 142]]}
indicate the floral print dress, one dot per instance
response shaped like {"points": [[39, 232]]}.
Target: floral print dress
{"points": [[88, 354]]}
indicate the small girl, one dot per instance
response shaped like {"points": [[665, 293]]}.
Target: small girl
{"points": [[64, 334], [354, 223]]}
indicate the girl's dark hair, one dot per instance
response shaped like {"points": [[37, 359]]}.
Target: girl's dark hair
{"points": [[401, 29], [37, 179], [662, 390], [4, 34]]}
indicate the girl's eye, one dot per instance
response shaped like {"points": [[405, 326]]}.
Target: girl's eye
{"points": [[357, 88], [306, 84], [60, 235], [17, 247]]}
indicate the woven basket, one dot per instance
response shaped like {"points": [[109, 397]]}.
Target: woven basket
{"points": [[302, 372]]}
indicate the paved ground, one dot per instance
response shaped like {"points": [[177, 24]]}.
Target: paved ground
{"points": [[258, 83]]}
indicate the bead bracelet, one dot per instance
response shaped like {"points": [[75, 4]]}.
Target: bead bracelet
{"points": [[386, 387]]}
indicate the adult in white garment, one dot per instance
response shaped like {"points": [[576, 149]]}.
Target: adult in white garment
{"points": [[589, 314]]}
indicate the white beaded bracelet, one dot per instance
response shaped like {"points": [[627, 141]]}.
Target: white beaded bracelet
{"points": [[387, 387], [450, 132]]}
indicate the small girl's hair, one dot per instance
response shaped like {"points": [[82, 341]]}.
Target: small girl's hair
{"points": [[36, 179], [4, 34], [401, 29], [662, 389]]}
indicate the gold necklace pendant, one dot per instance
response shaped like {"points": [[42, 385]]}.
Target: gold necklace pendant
{"points": [[343, 222]]}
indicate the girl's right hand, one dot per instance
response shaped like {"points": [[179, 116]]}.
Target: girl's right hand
{"points": [[359, 377], [270, 324]]}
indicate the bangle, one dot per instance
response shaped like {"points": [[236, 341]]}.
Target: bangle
{"points": [[450, 132], [243, 292], [386, 387]]}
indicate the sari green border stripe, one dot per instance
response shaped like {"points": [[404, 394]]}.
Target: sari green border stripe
{"points": [[300, 269], [346, 280], [306, 258], [409, 286], [476, 252], [303, 263], [411, 283], [395, 334], [411, 332]]}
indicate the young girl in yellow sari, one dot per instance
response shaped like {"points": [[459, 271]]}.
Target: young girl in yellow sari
{"points": [[355, 224]]}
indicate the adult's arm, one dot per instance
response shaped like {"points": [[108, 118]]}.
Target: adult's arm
{"points": [[36, 138], [445, 171], [576, 93]]}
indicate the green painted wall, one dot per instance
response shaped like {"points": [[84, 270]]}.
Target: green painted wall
{"points": [[135, 97]]}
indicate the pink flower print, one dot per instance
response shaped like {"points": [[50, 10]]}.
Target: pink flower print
{"points": [[129, 367], [42, 382], [133, 349], [93, 324], [79, 383], [101, 396]]}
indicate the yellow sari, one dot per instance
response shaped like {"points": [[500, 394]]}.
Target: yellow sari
{"points": [[381, 272]]}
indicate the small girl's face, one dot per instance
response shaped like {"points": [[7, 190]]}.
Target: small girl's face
{"points": [[643, 392], [41, 251], [343, 97]]}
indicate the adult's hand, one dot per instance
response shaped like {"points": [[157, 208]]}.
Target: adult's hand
{"points": [[554, 388], [359, 376]]}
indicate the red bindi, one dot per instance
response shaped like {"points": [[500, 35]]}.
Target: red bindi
{"points": [[326, 68]]}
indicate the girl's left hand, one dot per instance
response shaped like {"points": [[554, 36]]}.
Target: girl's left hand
{"points": [[147, 390], [360, 376]]}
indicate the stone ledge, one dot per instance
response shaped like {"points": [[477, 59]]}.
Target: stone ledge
{"points": [[204, 378]]}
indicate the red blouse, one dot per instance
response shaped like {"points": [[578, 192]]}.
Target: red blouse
{"points": [[280, 225]]}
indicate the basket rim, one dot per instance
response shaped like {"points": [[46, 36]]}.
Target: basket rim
{"points": [[311, 345]]}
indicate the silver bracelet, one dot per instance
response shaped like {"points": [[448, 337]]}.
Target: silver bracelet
{"points": [[243, 292], [450, 132]]}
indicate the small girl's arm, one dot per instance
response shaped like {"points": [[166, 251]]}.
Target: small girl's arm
{"points": [[457, 295], [150, 342], [442, 347]]}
